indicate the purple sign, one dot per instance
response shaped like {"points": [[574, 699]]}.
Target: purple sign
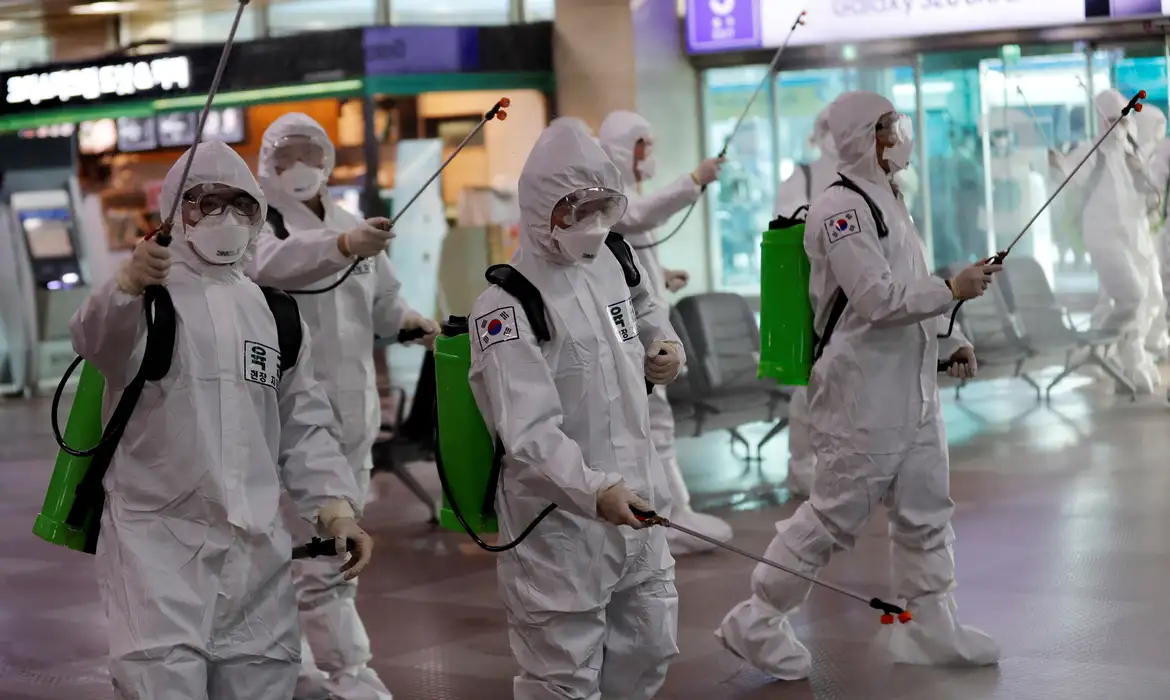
{"points": [[720, 25], [421, 49]]}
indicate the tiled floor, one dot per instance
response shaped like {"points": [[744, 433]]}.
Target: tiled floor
{"points": [[1063, 553]]}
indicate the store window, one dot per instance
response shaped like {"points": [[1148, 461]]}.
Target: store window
{"points": [[17, 54], [294, 16], [540, 10], [451, 12]]}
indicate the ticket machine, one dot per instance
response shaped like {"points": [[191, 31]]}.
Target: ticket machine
{"points": [[52, 248]]}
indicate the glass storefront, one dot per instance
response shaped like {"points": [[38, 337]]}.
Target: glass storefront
{"points": [[985, 122]]}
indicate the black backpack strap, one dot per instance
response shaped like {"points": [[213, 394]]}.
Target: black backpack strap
{"points": [[161, 328], [276, 221], [625, 257], [821, 342], [806, 169], [876, 213], [288, 325], [511, 281]]}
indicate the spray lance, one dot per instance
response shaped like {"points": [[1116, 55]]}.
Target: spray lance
{"points": [[772, 67], [1032, 116], [1134, 105], [496, 112]]}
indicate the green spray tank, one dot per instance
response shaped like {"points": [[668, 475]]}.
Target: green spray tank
{"points": [[786, 315]]}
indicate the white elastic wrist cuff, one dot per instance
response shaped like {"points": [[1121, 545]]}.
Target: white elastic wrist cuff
{"points": [[331, 511]]}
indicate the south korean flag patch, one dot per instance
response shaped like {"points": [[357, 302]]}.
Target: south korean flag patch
{"points": [[496, 327], [842, 225]]}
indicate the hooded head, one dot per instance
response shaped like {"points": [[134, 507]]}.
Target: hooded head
{"points": [[215, 226], [629, 143], [872, 140], [822, 137], [1151, 127], [570, 196], [1109, 104], [296, 156]]}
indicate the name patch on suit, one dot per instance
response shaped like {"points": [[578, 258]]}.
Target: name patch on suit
{"points": [[624, 320], [842, 225], [261, 364], [364, 267], [496, 327]]}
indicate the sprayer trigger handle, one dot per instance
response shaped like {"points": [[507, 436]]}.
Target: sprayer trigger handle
{"points": [[643, 514]]}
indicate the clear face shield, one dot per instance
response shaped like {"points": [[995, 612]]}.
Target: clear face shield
{"points": [[896, 133], [584, 218]]}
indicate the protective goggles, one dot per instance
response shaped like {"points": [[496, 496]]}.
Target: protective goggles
{"points": [[608, 206], [897, 128], [287, 151], [217, 202]]}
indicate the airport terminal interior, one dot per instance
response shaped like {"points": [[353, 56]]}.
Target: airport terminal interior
{"points": [[1058, 448]]}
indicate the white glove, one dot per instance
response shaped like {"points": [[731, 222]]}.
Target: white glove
{"points": [[963, 364], [367, 240], [972, 281], [149, 265], [613, 505], [344, 529], [430, 328], [662, 362], [676, 279], [708, 171]]}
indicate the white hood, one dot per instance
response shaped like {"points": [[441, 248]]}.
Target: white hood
{"points": [[1151, 128], [565, 159], [618, 135], [1109, 105], [853, 119], [215, 163]]}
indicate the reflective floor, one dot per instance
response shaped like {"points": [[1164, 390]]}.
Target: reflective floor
{"points": [[1063, 554]]}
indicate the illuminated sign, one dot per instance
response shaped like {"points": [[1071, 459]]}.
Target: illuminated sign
{"points": [[168, 74], [722, 25]]}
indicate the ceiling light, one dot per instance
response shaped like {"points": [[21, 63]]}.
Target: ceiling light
{"points": [[103, 8], [7, 25]]}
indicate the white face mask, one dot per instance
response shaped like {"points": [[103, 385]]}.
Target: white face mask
{"points": [[647, 167], [220, 240], [582, 241], [302, 182], [898, 155]]}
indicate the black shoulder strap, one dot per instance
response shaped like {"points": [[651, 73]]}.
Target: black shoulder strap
{"points": [[625, 257], [511, 281], [161, 328], [806, 169], [276, 221], [288, 325], [879, 220]]}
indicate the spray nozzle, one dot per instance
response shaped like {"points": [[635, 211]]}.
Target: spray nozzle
{"points": [[1134, 104], [502, 116], [497, 110], [801, 16]]}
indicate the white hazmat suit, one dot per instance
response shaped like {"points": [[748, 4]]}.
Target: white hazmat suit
{"points": [[343, 323], [619, 134], [875, 420], [193, 556], [795, 192], [1151, 138], [592, 608], [1112, 230]]}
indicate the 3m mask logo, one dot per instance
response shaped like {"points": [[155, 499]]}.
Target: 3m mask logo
{"points": [[261, 364]]}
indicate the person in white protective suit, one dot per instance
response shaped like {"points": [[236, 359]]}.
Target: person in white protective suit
{"points": [[321, 242], [193, 557], [874, 410], [627, 139], [1151, 137], [1112, 230], [795, 192], [590, 596]]}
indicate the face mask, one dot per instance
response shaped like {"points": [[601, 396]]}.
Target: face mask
{"points": [[898, 155], [302, 182], [220, 241], [582, 241], [647, 167]]}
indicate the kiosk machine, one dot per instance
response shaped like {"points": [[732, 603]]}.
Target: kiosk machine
{"points": [[52, 247]]}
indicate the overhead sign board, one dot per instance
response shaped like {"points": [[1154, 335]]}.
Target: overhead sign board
{"points": [[401, 50], [723, 25], [91, 83]]}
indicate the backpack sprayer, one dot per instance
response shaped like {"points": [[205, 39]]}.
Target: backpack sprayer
{"points": [[788, 337], [739, 122]]}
